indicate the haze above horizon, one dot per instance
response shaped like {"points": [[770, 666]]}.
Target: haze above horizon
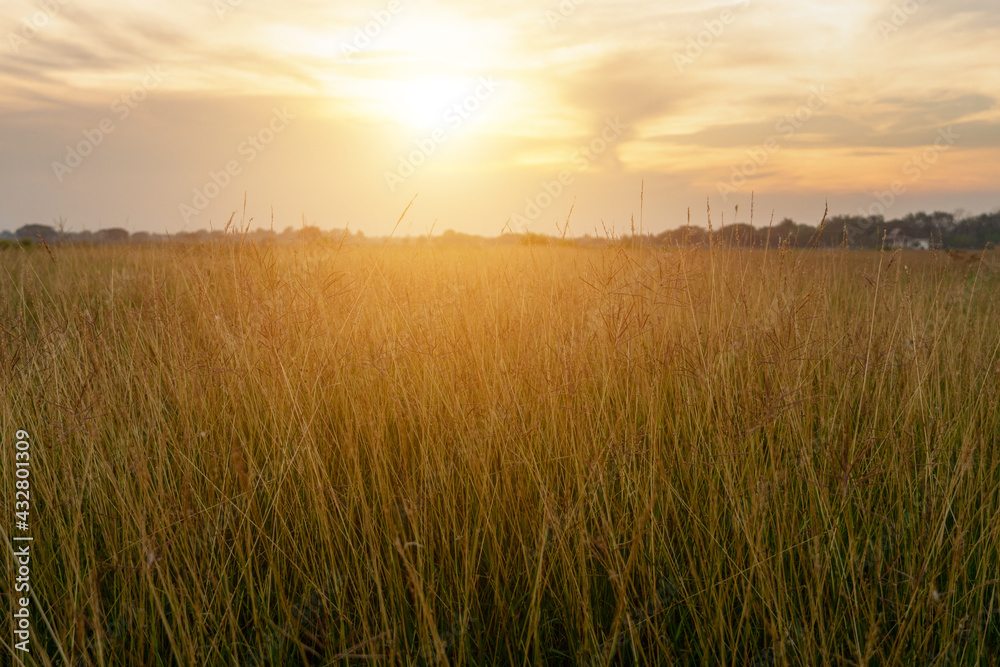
{"points": [[160, 117]]}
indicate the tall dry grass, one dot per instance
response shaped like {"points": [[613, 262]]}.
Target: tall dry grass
{"points": [[506, 456]]}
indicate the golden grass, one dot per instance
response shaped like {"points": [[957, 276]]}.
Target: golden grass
{"points": [[488, 456]]}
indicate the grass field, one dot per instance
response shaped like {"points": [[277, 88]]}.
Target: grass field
{"points": [[526, 455]]}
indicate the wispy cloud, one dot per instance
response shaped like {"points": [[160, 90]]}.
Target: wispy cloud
{"points": [[889, 93]]}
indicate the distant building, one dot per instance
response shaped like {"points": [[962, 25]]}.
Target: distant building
{"points": [[897, 239]]}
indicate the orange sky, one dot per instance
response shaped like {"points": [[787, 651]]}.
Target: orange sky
{"points": [[160, 116]]}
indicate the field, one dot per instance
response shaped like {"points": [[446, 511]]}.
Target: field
{"points": [[526, 455]]}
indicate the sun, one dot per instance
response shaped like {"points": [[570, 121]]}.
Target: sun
{"points": [[423, 102], [422, 66]]}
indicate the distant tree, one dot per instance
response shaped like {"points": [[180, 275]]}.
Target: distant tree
{"points": [[739, 234], [113, 235], [688, 235], [339, 235], [784, 232], [263, 235], [34, 232], [451, 237], [785, 227], [60, 227], [310, 234], [803, 236], [530, 238], [974, 233]]}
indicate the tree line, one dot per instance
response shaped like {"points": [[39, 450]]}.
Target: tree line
{"points": [[929, 230]]}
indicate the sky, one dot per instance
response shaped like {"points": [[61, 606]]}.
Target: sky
{"points": [[172, 116]]}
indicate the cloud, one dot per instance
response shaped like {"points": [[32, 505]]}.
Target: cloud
{"points": [[889, 93]]}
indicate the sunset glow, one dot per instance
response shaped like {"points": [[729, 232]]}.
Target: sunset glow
{"points": [[406, 332], [702, 89]]}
